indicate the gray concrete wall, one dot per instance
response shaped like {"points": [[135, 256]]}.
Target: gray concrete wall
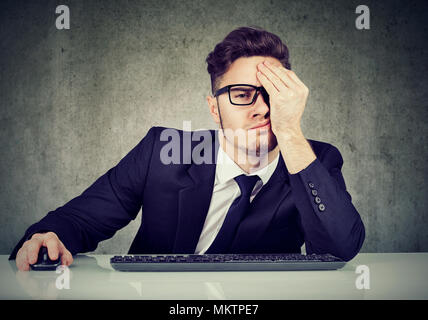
{"points": [[74, 102]]}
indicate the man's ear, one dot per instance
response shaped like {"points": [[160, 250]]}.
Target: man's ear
{"points": [[212, 104]]}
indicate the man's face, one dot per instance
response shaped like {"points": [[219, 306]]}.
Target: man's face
{"points": [[253, 120]]}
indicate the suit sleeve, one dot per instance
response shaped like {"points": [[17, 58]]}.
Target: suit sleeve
{"points": [[108, 205], [329, 220]]}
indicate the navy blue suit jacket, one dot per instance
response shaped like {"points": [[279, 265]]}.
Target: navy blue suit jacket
{"points": [[175, 199]]}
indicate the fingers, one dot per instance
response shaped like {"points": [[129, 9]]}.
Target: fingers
{"points": [[52, 242], [32, 250], [283, 74], [279, 85], [22, 260], [270, 88], [293, 85], [29, 251], [56, 248], [66, 256], [293, 76]]}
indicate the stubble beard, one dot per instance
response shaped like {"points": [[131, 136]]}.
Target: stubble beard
{"points": [[248, 145]]}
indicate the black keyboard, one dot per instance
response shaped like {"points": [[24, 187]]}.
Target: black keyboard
{"points": [[226, 262]]}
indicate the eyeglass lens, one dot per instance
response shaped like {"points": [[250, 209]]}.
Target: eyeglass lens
{"points": [[244, 95]]}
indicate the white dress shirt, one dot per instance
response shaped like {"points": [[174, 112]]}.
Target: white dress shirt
{"points": [[225, 191]]}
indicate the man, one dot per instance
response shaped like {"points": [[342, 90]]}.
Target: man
{"points": [[262, 187]]}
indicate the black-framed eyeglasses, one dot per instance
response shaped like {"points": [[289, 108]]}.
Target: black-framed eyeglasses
{"points": [[243, 94]]}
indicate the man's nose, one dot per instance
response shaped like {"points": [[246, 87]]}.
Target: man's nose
{"points": [[260, 107]]}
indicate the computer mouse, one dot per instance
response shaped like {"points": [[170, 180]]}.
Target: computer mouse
{"points": [[44, 262]]}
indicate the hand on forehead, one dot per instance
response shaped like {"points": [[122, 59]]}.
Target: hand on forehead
{"points": [[244, 70]]}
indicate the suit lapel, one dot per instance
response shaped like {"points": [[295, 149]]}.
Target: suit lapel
{"points": [[263, 208], [194, 200]]}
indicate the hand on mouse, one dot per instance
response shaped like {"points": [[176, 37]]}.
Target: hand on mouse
{"points": [[29, 251]]}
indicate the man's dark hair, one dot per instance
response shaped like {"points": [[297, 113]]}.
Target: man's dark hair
{"points": [[244, 42]]}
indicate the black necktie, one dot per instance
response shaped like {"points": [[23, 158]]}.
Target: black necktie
{"points": [[234, 216]]}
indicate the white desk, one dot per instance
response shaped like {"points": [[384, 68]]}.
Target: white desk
{"points": [[392, 276]]}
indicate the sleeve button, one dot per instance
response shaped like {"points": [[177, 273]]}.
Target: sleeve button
{"points": [[321, 207], [317, 200], [311, 185], [314, 192]]}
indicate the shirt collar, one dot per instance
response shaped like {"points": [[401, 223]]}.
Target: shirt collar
{"points": [[227, 169]]}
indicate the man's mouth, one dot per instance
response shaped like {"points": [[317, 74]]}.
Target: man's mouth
{"points": [[264, 125]]}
